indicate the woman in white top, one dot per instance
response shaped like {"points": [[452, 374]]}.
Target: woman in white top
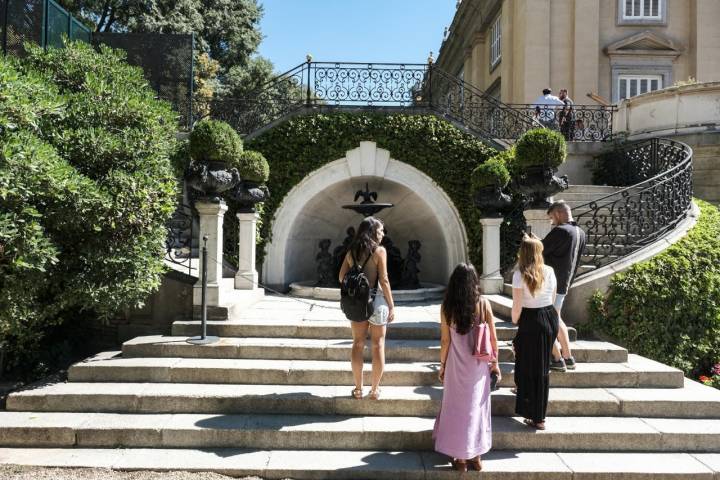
{"points": [[534, 289]]}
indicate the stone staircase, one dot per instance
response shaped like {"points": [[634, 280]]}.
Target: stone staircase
{"points": [[272, 399]]}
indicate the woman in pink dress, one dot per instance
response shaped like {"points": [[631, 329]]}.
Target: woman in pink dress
{"points": [[463, 425]]}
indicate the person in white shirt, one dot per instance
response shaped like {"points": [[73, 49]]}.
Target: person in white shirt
{"points": [[545, 106], [534, 288]]}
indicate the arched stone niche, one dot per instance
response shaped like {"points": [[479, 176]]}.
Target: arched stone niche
{"points": [[312, 210]]}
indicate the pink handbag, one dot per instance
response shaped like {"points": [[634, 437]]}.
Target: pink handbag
{"points": [[483, 346]]}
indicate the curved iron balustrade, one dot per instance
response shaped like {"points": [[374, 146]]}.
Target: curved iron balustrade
{"points": [[410, 88], [634, 217], [577, 123]]}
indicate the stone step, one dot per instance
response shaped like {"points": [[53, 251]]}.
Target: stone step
{"points": [[380, 465], [692, 401], [401, 329], [340, 432], [588, 190], [637, 372], [333, 349]]}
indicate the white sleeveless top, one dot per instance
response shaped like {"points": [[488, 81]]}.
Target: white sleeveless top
{"points": [[544, 296]]}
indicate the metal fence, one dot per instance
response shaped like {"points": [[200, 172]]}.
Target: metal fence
{"points": [[43, 22], [577, 123], [166, 60]]}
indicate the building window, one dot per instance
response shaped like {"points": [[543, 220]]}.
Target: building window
{"points": [[495, 43], [642, 10], [632, 85]]}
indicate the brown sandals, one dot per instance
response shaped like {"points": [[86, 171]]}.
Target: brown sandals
{"points": [[459, 465], [374, 394], [357, 393]]}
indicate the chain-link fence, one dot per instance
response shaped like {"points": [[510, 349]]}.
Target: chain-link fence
{"points": [[166, 59], [43, 22]]}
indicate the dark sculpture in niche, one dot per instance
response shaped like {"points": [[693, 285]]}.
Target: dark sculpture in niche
{"points": [[394, 261], [325, 266], [410, 269], [340, 251]]}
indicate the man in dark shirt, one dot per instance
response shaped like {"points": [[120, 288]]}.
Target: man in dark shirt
{"points": [[563, 247]]}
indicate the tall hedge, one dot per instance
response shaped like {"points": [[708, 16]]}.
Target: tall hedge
{"points": [[668, 308], [303, 144], [86, 186]]}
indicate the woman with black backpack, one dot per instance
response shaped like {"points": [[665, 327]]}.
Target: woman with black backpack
{"points": [[367, 301]]}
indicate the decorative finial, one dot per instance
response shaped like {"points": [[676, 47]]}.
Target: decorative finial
{"points": [[308, 57], [430, 58], [445, 33]]}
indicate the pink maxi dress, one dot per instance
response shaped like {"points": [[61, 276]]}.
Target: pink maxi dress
{"points": [[463, 428]]}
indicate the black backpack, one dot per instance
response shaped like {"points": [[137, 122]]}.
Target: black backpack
{"points": [[356, 298]]}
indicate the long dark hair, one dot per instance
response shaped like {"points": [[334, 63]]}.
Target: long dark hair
{"points": [[365, 240], [461, 298]]}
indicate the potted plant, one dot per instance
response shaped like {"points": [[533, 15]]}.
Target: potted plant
{"points": [[538, 154], [488, 181], [254, 172], [214, 147]]}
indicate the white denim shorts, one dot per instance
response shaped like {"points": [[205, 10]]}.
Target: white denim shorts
{"points": [[381, 312], [559, 300]]}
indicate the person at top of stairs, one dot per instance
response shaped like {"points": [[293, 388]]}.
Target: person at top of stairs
{"points": [[534, 289], [367, 252], [563, 247], [463, 428]]}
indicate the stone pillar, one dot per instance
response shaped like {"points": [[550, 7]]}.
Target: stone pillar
{"points": [[538, 222], [492, 281], [246, 277], [211, 224]]}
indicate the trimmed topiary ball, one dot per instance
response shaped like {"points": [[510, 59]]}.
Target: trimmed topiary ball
{"points": [[540, 147], [215, 141], [491, 173], [253, 167]]}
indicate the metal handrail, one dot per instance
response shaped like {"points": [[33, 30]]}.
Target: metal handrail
{"points": [[622, 222]]}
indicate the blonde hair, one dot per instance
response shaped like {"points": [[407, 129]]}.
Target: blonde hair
{"points": [[530, 263]]}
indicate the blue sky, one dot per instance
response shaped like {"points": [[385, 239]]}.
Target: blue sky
{"points": [[353, 30]]}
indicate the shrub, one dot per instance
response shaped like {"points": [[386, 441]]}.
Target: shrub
{"points": [[491, 173], [667, 308], [86, 186], [252, 166], [215, 141], [540, 147]]}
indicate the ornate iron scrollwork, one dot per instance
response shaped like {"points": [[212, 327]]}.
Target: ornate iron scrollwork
{"points": [[629, 219], [178, 244]]}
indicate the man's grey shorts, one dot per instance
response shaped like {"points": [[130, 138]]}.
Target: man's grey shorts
{"points": [[559, 299]]}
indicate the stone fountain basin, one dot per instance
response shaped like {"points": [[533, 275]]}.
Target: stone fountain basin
{"points": [[428, 291]]}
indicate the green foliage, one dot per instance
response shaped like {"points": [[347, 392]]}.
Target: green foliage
{"points": [[215, 141], [86, 186], [540, 146], [491, 173], [303, 144], [252, 166], [668, 308]]}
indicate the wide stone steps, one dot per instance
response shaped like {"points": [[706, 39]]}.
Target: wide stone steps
{"points": [[381, 465], [691, 401], [336, 432], [332, 349], [636, 372]]}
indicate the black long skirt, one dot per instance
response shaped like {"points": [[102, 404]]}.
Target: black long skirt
{"points": [[537, 331]]}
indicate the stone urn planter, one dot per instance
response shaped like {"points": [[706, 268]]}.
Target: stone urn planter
{"points": [[248, 194], [537, 183], [210, 179], [491, 201]]}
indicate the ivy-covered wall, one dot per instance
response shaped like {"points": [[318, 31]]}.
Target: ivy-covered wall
{"points": [[303, 144]]}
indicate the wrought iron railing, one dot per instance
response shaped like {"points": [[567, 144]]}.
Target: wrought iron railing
{"points": [[659, 198], [179, 241], [411, 88], [577, 123]]}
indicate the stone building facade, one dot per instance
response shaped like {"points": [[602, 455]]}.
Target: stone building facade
{"points": [[612, 48]]}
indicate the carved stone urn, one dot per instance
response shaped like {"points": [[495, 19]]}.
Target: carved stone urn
{"points": [[210, 179], [491, 201], [538, 183], [248, 194]]}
